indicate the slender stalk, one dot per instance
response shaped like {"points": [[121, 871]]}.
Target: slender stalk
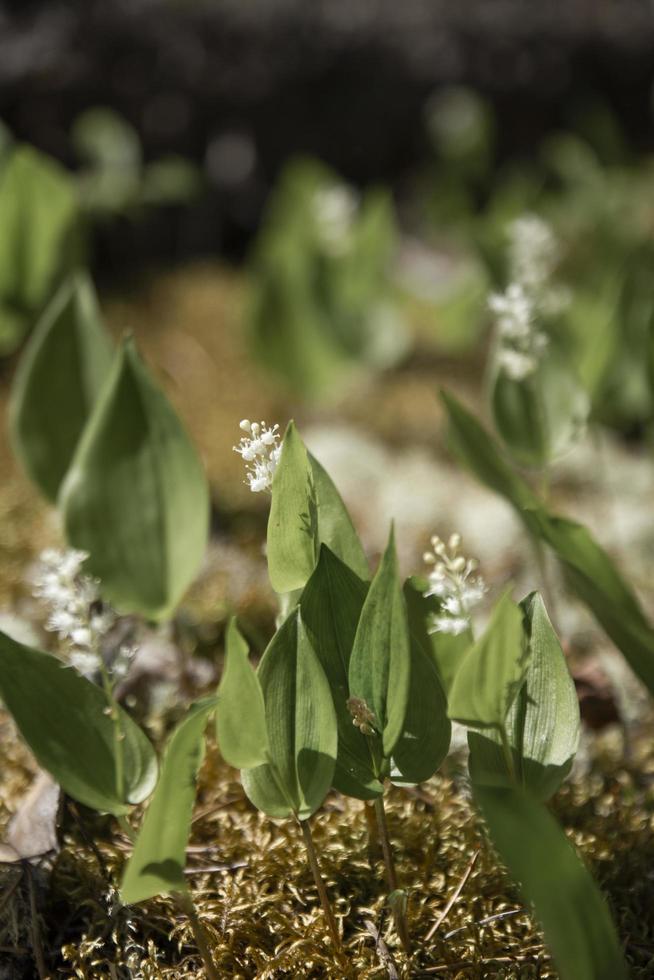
{"points": [[112, 705], [320, 883], [373, 833], [391, 876], [548, 591], [185, 903], [508, 754]]}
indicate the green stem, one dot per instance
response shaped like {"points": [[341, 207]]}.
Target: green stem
{"points": [[508, 754], [185, 902], [114, 714], [391, 876], [548, 591], [320, 883]]}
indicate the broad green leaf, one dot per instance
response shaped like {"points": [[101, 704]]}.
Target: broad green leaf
{"points": [[589, 570], [567, 903], [63, 718], [331, 605], [426, 733], [335, 528], [293, 520], [477, 449], [492, 672], [136, 496], [157, 864], [445, 649], [543, 722], [302, 729], [57, 382], [380, 663], [306, 511], [241, 715], [40, 238], [594, 578], [542, 415], [519, 417]]}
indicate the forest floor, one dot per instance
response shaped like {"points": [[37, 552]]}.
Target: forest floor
{"points": [[383, 445]]}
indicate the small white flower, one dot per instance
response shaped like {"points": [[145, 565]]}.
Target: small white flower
{"points": [[84, 662], [515, 364], [451, 581], [454, 625], [260, 450], [533, 252], [73, 599], [335, 209], [530, 296]]}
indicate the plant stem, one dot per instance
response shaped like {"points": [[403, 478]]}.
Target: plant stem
{"points": [[374, 849], [114, 714], [548, 591], [185, 903], [320, 884], [391, 877], [508, 754]]}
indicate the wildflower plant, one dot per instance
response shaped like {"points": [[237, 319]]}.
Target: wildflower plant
{"points": [[321, 307], [356, 689], [539, 406]]}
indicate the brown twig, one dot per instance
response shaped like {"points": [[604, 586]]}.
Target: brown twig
{"points": [[483, 922], [37, 945], [453, 897], [382, 949]]}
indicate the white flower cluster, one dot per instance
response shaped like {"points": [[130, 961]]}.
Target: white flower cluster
{"points": [[533, 252], [451, 581], [260, 450], [335, 209], [533, 256], [76, 611], [521, 343]]}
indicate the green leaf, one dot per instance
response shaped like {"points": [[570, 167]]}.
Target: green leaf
{"points": [[40, 238], [446, 650], [136, 496], [594, 578], [380, 663], [306, 511], [492, 672], [589, 570], [57, 382], [543, 721], [293, 520], [542, 415], [571, 910], [63, 718], [335, 528], [157, 864], [426, 733], [476, 448], [331, 605], [241, 716], [302, 730]]}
